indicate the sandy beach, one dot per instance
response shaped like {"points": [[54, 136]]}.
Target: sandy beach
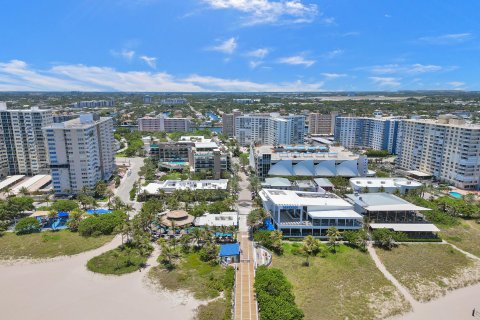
{"points": [[63, 288]]}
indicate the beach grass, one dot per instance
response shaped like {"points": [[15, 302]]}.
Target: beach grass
{"points": [[428, 271], [125, 259], [466, 236], [47, 244], [203, 279], [214, 310], [344, 285]]}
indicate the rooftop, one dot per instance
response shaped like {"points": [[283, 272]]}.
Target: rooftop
{"points": [[217, 220], [152, 188], [406, 227], [383, 182], [383, 202], [323, 182], [231, 249], [306, 153], [301, 198], [82, 122], [277, 182], [448, 122]]}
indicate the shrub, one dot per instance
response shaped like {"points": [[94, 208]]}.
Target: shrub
{"points": [[269, 239], [387, 238], [103, 224], [65, 205], [27, 225], [274, 295]]}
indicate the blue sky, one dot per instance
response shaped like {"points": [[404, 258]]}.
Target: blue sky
{"points": [[239, 45]]}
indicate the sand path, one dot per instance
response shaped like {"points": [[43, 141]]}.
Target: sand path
{"points": [[62, 288]]}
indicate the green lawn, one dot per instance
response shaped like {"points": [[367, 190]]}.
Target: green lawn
{"points": [[345, 285], [124, 259], [47, 244], [204, 280], [466, 236], [428, 271]]}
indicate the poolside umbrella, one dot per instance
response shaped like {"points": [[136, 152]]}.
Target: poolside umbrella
{"points": [[63, 214]]}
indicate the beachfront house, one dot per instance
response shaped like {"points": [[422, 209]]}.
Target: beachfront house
{"points": [[299, 214]]}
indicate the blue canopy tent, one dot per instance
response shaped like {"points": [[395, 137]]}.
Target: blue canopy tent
{"points": [[230, 252], [62, 214]]}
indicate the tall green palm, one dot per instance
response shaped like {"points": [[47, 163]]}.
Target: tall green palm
{"points": [[311, 247], [333, 236]]}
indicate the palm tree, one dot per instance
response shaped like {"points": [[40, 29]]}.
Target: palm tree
{"points": [[197, 235], [24, 191], [109, 193], [333, 236], [311, 247]]}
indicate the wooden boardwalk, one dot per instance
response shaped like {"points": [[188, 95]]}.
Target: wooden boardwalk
{"points": [[245, 302]]}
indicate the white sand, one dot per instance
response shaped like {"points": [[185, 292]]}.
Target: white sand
{"points": [[64, 289], [456, 305]]}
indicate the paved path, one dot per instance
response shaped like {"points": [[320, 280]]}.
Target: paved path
{"points": [[245, 302], [127, 182]]}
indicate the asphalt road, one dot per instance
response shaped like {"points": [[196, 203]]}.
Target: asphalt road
{"points": [[127, 182]]}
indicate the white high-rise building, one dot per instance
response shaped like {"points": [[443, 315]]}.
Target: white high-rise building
{"points": [[21, 141], [447, 148], [269, 129], [374, 133], [81, 152]]}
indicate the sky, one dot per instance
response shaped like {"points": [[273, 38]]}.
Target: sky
{"points": [[239, 45]]}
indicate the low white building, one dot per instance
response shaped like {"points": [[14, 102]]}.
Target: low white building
{"points": [[224, 219], [389, 185], [169, 186], [299, 214]]}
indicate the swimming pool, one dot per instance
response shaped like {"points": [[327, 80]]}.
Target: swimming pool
{"points": [[455, 194]]}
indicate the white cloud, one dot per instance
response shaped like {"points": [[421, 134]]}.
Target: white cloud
{"points": [[268, 11], [416, 68], [332, 54], [451, 38], [254, 64], [329, 21], [227, 47], [333, 75], [150, 61], [386, 81], [297, 60], [220, 84], [388, 16], [456, 84], [16, 75], [258, 53], [125, 54]]}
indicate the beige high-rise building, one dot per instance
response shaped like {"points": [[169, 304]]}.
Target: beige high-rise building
{"points": [[165, 124], [447, 148], [321, 123], [81, 152], [228, 121]]}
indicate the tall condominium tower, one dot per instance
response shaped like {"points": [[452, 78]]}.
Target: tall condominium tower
{"points": [[269, 129], [228, 121], [375, 133], [21, 140], [81, 152], [447, 148], [319, 123]]}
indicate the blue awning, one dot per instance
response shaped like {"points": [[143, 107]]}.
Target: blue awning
{"points": [[227, 250], [63, 214]]}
